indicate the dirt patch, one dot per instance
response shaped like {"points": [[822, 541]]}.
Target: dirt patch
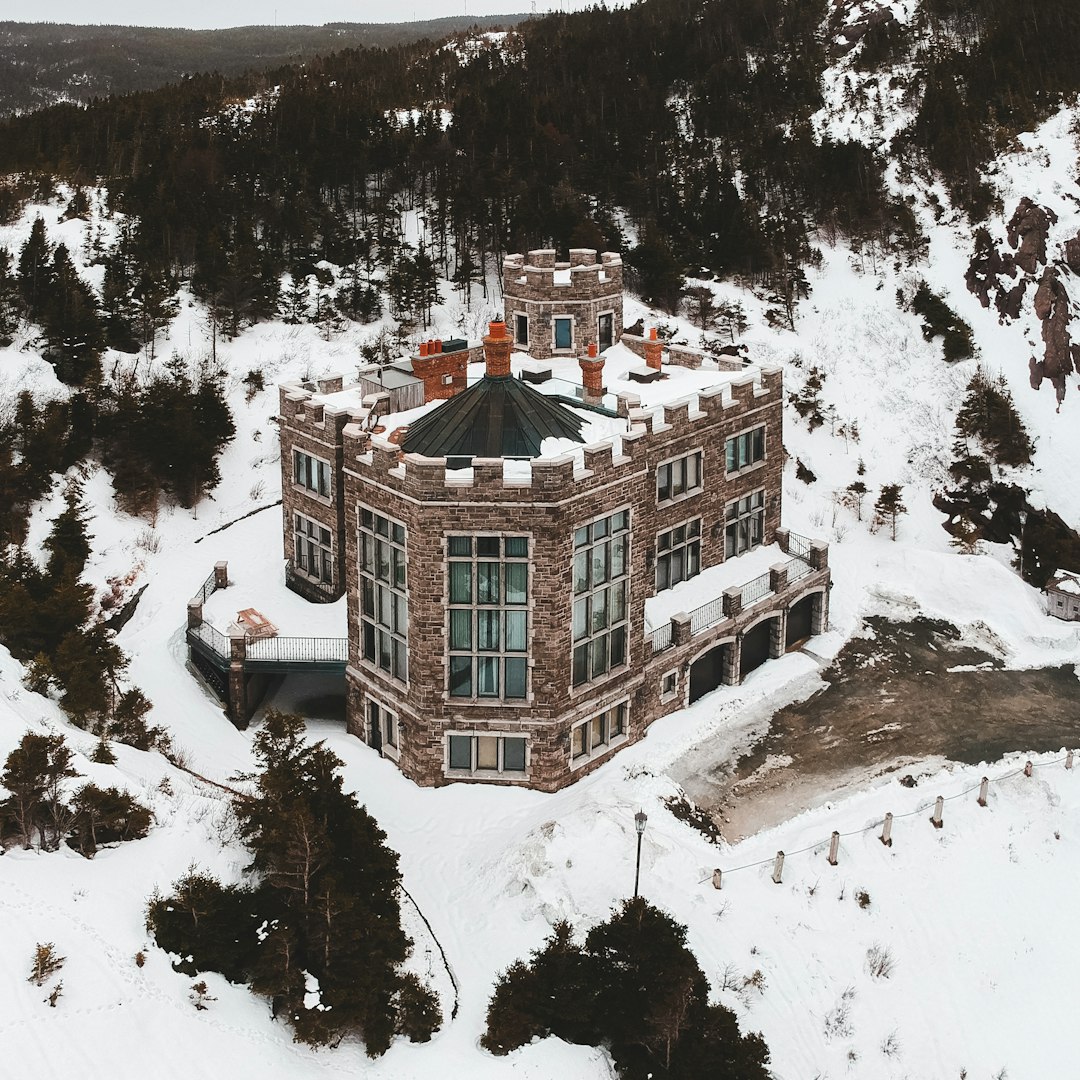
{"points": [[901, 694]]}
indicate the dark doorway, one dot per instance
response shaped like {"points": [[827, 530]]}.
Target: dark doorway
{"points": [[800, 619], [605, 332], [755, 647], [707, 672], [374, 727]]}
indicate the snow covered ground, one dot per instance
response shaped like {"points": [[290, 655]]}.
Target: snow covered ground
{"points": [[976, 916]]}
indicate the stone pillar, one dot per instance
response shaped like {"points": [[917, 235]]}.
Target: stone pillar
{"points": [[819, 613], [732, 601], [238, 697], [626, 402], [497, 347], [778, 577], [194, 614], [733, 662], [654, 350], [819, 555], [778, 636], [221, 575], [680, 628], [783, 538]]}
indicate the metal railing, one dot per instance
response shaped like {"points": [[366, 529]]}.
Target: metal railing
{"points": [[797, 569], [661, 638], [211, 637], [701, 618], [299, 650], [798, 546], [209, 587], [755, 590]]}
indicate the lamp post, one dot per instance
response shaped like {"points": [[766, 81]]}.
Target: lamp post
{"points": [[1023, 521], [639, 824]]}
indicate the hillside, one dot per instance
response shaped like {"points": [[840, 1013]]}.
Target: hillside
{"points": [[857, 281], [45, 63]]}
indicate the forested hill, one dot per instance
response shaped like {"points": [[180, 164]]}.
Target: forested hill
{"points": [[43, 63]]}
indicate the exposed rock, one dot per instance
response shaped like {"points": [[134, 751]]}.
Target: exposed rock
{"points": [[1008, 301], [1052, 307], [984, 273], [1028, 227], [1072, 253]]}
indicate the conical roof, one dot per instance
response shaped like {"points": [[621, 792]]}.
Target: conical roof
{"points": [[498, 417]]}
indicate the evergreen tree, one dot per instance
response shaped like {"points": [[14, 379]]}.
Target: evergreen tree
{"points": [[889, 507], [35, 258]]}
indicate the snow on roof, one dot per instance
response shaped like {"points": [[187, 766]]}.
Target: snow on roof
{"points": [[1065, 581]]}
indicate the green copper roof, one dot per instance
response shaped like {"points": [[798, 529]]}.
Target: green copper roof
{"points": [[494, 418]]}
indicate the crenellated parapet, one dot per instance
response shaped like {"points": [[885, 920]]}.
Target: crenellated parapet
{"points": [[701, 419]]}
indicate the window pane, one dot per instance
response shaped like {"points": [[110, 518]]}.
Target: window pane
{"points": [[758, 443], [617, 602], [693, 472], [581, 537], [487, 583], [598, 655], [517, 547], [461, 676], [517, 576], [459, 545], [400, 668], [461, 752], [397, 559], [398, 533], [487, 545], [515, 676], [385, 642], [619, 521], [599, 564], [663, 482], [618, 646], [581, 618], [327, 567], [562, 333], [487, 630], [618, 555], [460, 583], [693, 559], [581, 572], [487, 752], [581, 664], [513, 755], [515, 631], [663, 573], [599, 529], [598, 735], [598, 604], [460, 629], [521, 329], [487, 676], [729, 543], [369, 642], [731, 461], [618, 717], [578, 745]]}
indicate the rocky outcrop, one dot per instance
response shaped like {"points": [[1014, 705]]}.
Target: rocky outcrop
{"points": [[1027, 230], [984, 273], [1059, 354], [1072, 253]]}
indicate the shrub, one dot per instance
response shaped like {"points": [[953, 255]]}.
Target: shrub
{"points": [[45, 963], [939, 320]]}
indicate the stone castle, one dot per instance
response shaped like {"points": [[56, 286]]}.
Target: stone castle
{"points": [[516, 549]]}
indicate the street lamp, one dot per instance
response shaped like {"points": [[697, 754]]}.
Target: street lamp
{"points": [[1023, 522], [639, 824]]}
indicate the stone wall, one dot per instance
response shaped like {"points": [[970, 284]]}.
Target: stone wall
{"points": [[682, 355], [548, 507]]}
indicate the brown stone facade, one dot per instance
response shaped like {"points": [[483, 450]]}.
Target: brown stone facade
{"points": [[586, 290]]}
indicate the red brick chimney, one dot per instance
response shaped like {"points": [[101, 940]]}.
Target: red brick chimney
{"points": [[653, 350], [592, 375], [497, 346]]}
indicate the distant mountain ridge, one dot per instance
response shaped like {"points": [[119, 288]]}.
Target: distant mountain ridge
{"points": [[45, 63]]}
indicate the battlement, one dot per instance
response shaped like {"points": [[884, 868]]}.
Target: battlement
{"points": [[651, 436], [584, 277], [304, 407]]}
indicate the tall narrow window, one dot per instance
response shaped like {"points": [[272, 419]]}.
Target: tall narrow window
{"points": [[678, 554], [311, 473], [521, 329], [488, 586], [313, 554], [601, 578], [744, 524], [384, 620], [745, 449], [564, 333], [605, 331]]}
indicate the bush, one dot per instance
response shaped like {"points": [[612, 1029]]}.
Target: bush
{"points": [[634, 987], [989, 416], [939, 320]]}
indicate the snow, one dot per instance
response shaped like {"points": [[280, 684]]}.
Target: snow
{"points": [[1067, 583], [976, 915]]}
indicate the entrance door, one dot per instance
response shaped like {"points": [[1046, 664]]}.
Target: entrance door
{"points": [[799, 621], [755, 647], [707, 672], [605, 332]]}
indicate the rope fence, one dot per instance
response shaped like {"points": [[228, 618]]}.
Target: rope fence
{"points": [[720, 874]]}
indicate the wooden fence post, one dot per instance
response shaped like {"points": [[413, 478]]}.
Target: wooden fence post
{"points": [[778, 867], [1069, 760], [939, 805], [717, 878], [1027, 769], [983, 789], [834, 848], [886, 832]]}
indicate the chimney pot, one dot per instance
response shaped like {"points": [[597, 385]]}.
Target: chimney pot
{"points": [[652, 333], [438, 346], [592, 349], [497, 329], [423, 348]]}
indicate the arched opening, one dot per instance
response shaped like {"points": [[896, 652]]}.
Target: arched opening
{"points": [[707, 671], [800, 621], [755, 647]]}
